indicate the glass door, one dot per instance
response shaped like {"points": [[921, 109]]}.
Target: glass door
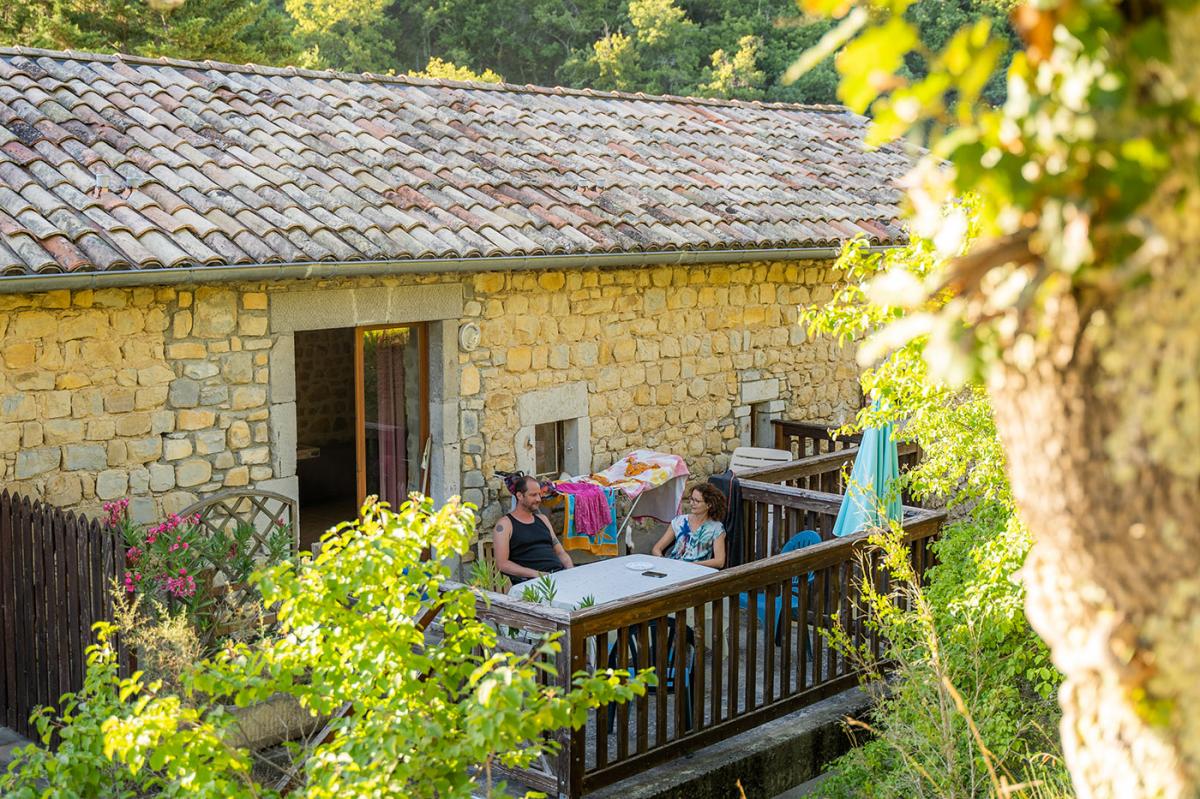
{"points": [[391, 365]]}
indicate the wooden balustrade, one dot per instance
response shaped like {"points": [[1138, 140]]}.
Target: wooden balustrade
{"points": [[809, 439], [827, 471], [732, 649]]}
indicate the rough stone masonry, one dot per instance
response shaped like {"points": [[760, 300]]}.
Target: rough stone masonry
{"points": [[168, 394]]}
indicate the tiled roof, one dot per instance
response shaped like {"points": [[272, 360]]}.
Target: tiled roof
{"points": [[113, 163]]}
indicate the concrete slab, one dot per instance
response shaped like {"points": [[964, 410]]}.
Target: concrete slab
{"points": [[812, 788], [10, 741], [768, 760]]}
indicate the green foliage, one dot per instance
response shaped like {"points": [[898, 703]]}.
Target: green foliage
{"points": [[542, 590], [239, 31], [486, 574], [348, 35], [718, 48], [80, 767], [658, 54], [737, 75], [960, 716], [1059, 171], [967, 635], [424, 710], [437, 68], [963, 462]]}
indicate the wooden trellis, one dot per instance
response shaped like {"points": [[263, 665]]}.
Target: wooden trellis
{"points": [[262, 517]]}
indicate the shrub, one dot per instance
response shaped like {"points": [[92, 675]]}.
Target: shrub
{"points": [[179, 568], [968, 706], [411, 713]]}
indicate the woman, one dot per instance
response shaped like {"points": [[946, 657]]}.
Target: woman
{"points": [[698, 536]]}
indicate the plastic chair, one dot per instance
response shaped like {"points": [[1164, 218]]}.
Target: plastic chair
{"points": [[745, 459], [804, 538], [666, 677]]}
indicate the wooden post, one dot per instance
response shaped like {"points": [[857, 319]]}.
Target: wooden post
{"points": [[570, 779]]}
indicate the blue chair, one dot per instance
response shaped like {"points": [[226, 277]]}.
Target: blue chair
{"points": [[804, 538]]}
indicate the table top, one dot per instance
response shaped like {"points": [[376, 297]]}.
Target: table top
{"points": [[613, 579]]}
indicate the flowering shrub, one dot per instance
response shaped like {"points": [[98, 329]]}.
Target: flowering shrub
{"points": [[177, 566], [161, 562], [425, 715]]}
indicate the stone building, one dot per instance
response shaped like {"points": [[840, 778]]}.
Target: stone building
{"points": [[324, 285]]}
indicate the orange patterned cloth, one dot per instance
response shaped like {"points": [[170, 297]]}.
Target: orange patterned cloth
{"points": [[640, 471]]}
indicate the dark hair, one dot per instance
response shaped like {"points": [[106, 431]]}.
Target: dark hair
{"points": [[713, 498], [518, 482]]}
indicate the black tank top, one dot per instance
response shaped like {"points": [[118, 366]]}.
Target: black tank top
{"points": [[532, 546]]}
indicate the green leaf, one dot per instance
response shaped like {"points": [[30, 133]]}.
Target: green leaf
{"points": [[828, 44], [868, 65]]}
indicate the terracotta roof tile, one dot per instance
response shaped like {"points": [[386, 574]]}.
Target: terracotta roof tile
{"points": [[217, 164]]}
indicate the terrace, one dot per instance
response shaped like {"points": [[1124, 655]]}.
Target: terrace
{"points": [[742, 665]]}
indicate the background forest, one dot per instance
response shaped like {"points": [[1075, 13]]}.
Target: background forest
{"points": [[716, 48]]}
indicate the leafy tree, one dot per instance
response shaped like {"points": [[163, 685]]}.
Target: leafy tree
{"points": [[737, 75], [348, 35], [1079, 306], [527, 41], [659, 55], [437, 68], [239, 31], [936, 24], [966, 641], [423, 710], [722, 48]]}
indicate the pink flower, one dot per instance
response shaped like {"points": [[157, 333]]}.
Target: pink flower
{"points": [[131, 555], [117, 511]]}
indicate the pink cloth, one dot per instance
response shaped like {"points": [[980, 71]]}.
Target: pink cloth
{"points": [[591, 506]]}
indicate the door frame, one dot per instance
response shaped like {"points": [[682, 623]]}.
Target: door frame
{"points": [[421, 330]]}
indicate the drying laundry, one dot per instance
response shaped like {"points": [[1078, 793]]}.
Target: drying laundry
{"points": [[592, 512], [656, 479]]}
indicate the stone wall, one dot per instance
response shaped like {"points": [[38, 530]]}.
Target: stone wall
{"points": [[672, 358], [170, 394], [156, 394]]}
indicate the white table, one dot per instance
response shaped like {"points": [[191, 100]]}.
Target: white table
{"points": [[612, 579]]}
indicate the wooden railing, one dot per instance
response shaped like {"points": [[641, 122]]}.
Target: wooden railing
{"points": [[57, 572], [806, 439], [753, 642], [521, 625], [826, 472]]}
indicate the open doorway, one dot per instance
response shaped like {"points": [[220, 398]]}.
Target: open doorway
{"points": [[362, 420]]}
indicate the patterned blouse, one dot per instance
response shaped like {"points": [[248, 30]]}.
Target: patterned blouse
{"points": [[693, 545]]}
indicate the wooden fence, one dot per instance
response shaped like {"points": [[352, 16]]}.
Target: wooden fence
{"points": [[732, 649], [56, 574]]}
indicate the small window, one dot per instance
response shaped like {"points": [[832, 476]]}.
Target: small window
{"points": [[762, 432], [548, 449]]}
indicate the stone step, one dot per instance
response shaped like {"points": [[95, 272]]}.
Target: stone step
{"points": [[10, 741]]}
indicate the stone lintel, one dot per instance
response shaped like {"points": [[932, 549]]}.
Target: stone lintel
{"points": [[568, 401], [321, 309]]}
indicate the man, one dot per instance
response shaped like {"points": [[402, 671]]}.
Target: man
{"points": [[524, 543]]}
